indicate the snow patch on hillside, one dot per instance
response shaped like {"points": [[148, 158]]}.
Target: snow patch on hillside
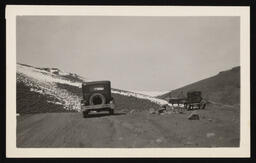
{"points": [[63, 73], [44, 76], [150, 93], [44, 83]]}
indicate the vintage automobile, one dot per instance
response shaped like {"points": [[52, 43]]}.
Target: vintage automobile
{"points": [[97, 97]]}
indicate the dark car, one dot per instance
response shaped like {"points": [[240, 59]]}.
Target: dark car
{"points": [[97, 97]]}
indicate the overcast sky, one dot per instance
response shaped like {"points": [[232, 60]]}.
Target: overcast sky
{"points": [[135, 53]]}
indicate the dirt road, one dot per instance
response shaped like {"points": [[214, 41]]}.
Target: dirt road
{"points": [[216, 127]]}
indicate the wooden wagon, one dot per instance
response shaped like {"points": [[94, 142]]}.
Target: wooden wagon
{"points": [[193, 100]]}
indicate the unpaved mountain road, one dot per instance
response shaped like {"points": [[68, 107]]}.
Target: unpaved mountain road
{"points": [[216, 128]]}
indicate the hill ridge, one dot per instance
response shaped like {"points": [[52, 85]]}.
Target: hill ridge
{"points": [[223, 87]]}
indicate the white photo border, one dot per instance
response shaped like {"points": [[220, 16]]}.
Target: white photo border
{"points": [[21, 10]]}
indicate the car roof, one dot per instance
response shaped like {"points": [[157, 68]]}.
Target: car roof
{"points": [[96, 82]]}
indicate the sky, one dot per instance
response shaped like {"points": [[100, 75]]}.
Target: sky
{"points": [[134, 53]]}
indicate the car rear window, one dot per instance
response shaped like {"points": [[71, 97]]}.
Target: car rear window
{"points": [[97, 88]]}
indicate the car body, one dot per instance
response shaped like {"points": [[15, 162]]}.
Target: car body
{"points": [[97, 97]]}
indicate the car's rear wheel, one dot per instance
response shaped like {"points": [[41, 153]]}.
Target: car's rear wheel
{"points": [[97, 99]]}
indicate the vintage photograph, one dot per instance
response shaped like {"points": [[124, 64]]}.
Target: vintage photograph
{"points": [[129, 82]]}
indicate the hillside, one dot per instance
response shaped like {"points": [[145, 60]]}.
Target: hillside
{"points": [[222, 88], [41, 90]]}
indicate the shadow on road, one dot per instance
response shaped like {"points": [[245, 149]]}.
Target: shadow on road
{"points": [[95, 115]]}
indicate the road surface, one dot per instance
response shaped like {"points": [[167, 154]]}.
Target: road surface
{"points": [[140, 129]]}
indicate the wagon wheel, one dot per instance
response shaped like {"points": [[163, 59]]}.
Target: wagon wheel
{"points": [[202, 105], [189, 106]]}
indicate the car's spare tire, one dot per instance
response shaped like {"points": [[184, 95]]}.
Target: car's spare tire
{"points": [[97, 99]]}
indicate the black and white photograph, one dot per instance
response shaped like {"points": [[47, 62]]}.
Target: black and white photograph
{"points": [[129, 81]]}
